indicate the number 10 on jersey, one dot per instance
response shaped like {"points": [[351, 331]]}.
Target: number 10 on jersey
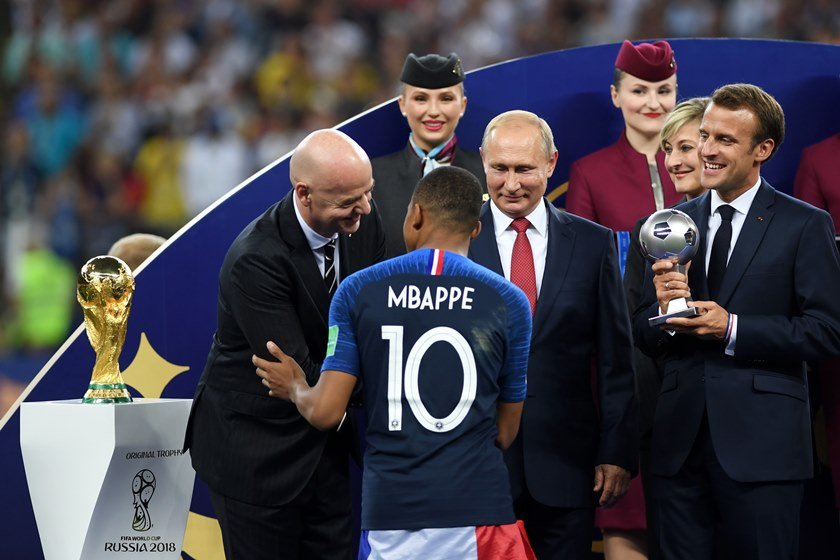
{"points": [[394, 335]]}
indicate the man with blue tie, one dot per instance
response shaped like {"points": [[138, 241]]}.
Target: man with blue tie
{"points": [[731, 437], [567, 267]]}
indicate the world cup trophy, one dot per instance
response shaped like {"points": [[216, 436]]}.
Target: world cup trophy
{"points": [[105, 288], [671, 234]]}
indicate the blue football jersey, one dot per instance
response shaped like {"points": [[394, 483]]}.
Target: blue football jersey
{"points": [[437, 341]]}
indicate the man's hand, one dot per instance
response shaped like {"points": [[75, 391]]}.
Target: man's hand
{"points": [[613, 480], [283, 377], [669, 283], [710, 324]]}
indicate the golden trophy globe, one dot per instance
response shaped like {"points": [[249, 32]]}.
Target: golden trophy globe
{"points": [[105, 288]]}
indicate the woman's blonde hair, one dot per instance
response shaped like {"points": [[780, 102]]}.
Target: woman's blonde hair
{"points": [[687, 111]]}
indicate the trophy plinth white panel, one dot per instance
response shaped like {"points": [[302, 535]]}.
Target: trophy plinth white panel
{"points": [[108, 480]]}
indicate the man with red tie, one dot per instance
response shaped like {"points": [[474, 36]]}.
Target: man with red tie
{"points": [[570, 454]]}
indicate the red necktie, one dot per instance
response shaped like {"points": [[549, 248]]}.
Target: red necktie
{"points": [[522, 263]]}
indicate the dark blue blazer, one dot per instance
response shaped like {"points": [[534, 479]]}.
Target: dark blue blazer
{"points": [[781, 281], [581, 323]]}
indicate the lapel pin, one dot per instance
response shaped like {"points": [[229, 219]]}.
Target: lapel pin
{"points": [[760, 218]]}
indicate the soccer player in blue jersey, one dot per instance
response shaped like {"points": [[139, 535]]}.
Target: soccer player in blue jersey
{"points": [[440, 345]]}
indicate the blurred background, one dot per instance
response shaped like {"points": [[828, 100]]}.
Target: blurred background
{"points": [[120, 116]]}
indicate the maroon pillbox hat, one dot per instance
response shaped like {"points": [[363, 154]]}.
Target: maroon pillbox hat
{"points": [[653, 62]]}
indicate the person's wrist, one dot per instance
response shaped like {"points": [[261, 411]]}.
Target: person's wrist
{"points": [[727, 331]]}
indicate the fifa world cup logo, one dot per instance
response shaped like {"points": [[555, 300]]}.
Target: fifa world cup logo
{"points": [[105, 288], [143, 487]]}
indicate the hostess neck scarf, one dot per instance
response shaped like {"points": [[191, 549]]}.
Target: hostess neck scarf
{"points": [[441, 154]]}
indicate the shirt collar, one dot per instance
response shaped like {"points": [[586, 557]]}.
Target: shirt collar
{"points": [[538, 218], [741, 204], [315, 239]]}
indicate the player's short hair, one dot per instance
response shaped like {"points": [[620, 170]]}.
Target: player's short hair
{"points": [[451, 196], [687, 111], [527, 117], [768, 112]]}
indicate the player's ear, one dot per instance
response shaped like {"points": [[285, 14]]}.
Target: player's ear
{"points": [[417, 217], [476, 230]]}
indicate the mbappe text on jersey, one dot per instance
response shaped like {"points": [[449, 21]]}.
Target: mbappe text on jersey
{"points": [[434, 299]]}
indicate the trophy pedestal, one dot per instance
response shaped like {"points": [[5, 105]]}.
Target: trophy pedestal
{"points": [[106, 479], [676, 308]]}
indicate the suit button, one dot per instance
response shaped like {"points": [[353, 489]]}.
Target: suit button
{"points": [[703, 379]]}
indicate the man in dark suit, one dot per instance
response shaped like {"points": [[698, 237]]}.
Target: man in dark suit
{"points": [[432, 101], [567, 266], [731, 437], [281, 488]]}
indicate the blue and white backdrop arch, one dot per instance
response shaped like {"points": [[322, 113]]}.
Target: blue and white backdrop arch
{"points": [[174, 310]]}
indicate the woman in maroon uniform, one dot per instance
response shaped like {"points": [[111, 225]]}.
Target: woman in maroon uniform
{"points": [[621, 183]]}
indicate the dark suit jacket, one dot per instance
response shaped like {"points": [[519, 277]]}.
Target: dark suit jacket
{"points": [[781, 281], [395, 177], [612, 186], [245, 444], [581, 320]]}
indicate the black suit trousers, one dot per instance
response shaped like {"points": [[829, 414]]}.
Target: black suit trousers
{"points": [[315, 524], [556, 533], [703, 514]]}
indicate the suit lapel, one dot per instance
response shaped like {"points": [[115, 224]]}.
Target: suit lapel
{"points": [[699, 212], [484, 251], [558, 262], [483, 248], [410, 168], [302, 257], [752, 232]]}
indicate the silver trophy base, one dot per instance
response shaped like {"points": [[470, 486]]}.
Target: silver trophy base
{"points": [[676, 308]]}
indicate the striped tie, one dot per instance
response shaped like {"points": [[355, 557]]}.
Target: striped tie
{"points": [[329, 267]]}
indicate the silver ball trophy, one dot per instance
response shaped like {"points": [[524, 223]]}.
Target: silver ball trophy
{"points": [[670, 234]]}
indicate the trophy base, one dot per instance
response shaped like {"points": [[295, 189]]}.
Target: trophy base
{"points": [[106, 393], [660, 319]]}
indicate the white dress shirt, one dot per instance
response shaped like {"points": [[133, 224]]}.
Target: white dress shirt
{"points": [[742, 207], [317, 241], [537, 234]]}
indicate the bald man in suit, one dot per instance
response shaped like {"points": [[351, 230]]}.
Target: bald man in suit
{"points": [[280, 487]]}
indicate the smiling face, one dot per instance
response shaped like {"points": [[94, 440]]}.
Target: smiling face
{"points": [[731, 162], [644, 104], [336, 208], [517, 167], [432, 114], [682, 159]]}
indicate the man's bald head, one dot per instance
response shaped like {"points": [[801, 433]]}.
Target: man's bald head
{"points": [[332, 179], [327, 156]]}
